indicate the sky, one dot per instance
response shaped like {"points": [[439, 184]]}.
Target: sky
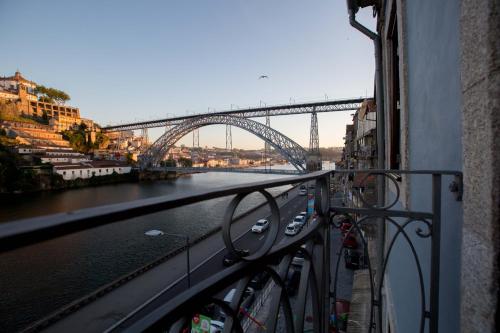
{"points": [[125, 61]]}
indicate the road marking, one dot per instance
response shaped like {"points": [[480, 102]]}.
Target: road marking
{"points": [[260, 238]]}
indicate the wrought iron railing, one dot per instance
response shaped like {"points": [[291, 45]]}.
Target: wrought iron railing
{"points": [[311, 309]]}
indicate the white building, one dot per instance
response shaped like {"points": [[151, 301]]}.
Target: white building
{"points": [[72, 171]]}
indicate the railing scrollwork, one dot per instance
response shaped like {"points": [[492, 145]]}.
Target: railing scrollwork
{"points": [[298, 285]]}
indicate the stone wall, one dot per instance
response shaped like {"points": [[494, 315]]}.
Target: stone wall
{"points": [[480, 64]]}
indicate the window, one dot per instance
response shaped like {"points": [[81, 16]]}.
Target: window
{"points": [[394, 103]]}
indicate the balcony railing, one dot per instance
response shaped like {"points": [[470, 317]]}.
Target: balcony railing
{"points": [[312, 308]]}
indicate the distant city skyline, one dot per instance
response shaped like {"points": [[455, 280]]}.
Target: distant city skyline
{"points": [[123, 61]]}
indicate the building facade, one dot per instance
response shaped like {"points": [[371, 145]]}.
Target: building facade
{"points": [[439, 87], [18, 90], [85, 170]]}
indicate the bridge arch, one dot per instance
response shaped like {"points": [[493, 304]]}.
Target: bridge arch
{"points": [[289, 149]]}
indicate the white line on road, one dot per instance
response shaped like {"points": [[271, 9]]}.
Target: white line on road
{"points": [[260, 238]]}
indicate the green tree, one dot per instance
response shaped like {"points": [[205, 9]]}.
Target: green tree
{"points": [[168, 163], [51, 95], [185, 162]]}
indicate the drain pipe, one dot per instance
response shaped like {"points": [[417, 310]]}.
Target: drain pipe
{"points": [[378, 85], [352, 8]]}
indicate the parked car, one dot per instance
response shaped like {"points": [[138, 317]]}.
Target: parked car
{"points": [[303, 192], [299, 219], [292, 229], [345, 226], [216, 326], [298, 259], [352, 259], [259, 280], [350, 242], [249, 293], [248, 298], [260, 226], [303, 214], [292, 282], [230, 259]]}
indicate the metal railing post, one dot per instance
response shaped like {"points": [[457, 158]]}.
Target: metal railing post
{"points": [[188, 262], [435, 253]]}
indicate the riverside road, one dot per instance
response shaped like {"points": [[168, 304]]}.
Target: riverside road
{"points": [[163, 282]]}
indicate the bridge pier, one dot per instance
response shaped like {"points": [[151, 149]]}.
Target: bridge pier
{"points": [[313, 162]]}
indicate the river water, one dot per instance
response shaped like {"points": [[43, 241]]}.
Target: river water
{"points": [[39, 279]]}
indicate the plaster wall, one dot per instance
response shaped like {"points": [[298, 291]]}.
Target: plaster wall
{"points": [[432, 103]]}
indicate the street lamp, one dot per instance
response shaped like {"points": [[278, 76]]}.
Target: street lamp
{"points": [[188, 265]]}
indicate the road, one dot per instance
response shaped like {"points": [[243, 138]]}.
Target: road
{"points": [[167, 280]]}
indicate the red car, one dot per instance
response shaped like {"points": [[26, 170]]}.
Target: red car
{"points": [[345, 227], [350, 242]]}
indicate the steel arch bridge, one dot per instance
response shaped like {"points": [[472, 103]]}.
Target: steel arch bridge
{"points": [[289, 149]]}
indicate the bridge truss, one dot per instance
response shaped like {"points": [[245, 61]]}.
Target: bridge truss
{"points": [[285, 146], [263, 111]]}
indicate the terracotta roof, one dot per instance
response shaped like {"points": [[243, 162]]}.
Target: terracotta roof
{"points": [[16, 77]]}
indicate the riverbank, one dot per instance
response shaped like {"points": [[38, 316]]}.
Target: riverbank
{"points": [[38, 180]]}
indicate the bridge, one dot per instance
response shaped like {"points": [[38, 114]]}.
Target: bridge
{"points": [[301, 159], [265, 111], [237, 170]]}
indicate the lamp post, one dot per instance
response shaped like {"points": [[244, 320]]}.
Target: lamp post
{"points": [[188, 264]]}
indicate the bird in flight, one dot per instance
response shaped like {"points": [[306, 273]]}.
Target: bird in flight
{"points": [[263, 77]]}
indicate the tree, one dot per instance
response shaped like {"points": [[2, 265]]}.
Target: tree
{"points": [[185, 162], [51, 95], [168, 163]]}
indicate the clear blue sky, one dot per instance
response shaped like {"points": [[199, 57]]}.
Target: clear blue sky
{"points": [[133, 60]]}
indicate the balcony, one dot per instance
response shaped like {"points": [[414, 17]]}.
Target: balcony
{"points": [[322, 254]]}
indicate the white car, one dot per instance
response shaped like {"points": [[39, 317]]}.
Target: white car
{"points": [[303, 214], [292, 229], [260, 226], [299, 219], [303, 192], [216, 326]]}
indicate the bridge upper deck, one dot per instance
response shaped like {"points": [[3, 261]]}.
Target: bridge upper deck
{"points": [[272, 110]]}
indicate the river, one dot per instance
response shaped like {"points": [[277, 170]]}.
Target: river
{"points": [[39, 279]]}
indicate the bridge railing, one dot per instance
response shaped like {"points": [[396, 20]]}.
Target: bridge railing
{"points": [[350, 208]]}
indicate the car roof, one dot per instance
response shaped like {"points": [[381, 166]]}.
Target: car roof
{"points": [[217, 323], [229, 296], [262, 220]]}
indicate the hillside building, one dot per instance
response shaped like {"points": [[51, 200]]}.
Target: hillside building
{"points": [[21, 91]]}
